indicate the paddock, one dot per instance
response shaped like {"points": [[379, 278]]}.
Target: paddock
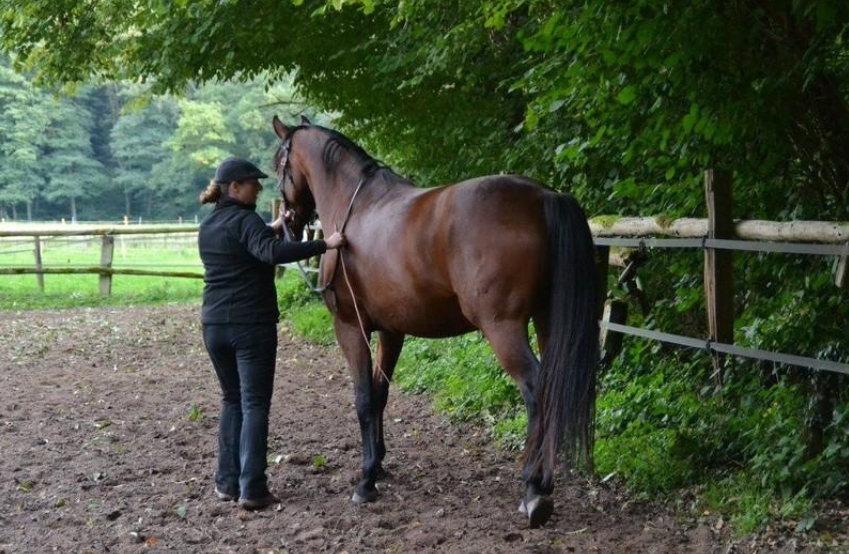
{"points": [[108, 428]]}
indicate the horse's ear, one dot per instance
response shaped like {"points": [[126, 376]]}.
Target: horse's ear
{"points": [[305, 122], [279, 129]]}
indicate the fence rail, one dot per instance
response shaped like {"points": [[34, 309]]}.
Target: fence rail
{"points": [[719, 236], [35, 235]]}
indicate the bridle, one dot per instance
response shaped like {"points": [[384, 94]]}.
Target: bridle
{"points": [[286, 174]]}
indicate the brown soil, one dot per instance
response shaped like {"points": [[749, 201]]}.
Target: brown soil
{"points": [[108, 421]]}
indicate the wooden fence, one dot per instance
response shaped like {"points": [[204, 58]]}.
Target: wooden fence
{"points": [[107, 249], [106, 235], [718, 236]]}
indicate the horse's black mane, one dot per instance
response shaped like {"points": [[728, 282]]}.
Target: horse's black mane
{"points": [[338, 143]]}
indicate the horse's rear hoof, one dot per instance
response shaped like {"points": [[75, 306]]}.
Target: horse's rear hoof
{"points": [[538, 509], [363, 495]]}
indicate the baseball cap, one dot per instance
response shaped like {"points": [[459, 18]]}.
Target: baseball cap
{"points": [[237, 169]]}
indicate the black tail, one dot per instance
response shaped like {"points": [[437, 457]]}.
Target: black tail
{"points": [[566, 384]]}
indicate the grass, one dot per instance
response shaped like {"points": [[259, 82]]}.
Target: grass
{"points": [[150, 252], [460, 374]]}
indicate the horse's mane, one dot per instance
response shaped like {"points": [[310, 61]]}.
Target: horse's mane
{"points": [[339, 143]]}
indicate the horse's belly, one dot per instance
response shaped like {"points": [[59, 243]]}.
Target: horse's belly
{"points": [[431, 320]]}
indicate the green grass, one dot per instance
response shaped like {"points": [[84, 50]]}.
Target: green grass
{"points": [[157, 253]]}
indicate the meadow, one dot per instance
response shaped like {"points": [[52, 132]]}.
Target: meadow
{"points": [[149, 252]]}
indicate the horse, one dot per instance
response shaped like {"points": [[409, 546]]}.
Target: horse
{"points": [[489, 254]]}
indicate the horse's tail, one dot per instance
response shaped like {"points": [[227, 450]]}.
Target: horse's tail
{"points": [[565, 388]]}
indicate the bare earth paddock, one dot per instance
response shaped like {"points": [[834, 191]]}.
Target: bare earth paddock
{"points": [[107, 444]]}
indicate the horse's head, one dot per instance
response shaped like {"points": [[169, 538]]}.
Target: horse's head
{"points": [[292, 182]]}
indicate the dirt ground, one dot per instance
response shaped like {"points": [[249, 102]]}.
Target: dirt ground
{"points": [[108, 421]]}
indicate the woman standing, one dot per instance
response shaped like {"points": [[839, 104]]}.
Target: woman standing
{"points": [[239, 317]]}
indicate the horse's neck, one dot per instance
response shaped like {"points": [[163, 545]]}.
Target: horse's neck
{"points": [[334, 193]]}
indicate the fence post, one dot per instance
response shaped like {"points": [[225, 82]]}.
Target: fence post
{"points": [[602, 263], [841, 277], [719, 264], [106, 252], [39, 276]]}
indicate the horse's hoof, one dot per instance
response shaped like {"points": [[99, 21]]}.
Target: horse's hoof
{"points": [[361, 495], [538, 510]]}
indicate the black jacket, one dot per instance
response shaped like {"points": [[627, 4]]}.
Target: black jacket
{"points": [[239, 252]]}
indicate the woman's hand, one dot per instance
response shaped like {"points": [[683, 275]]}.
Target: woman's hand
{"points": [[277, 225], [283, 216], [336, 240]]}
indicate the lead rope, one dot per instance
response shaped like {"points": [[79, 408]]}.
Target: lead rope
{"points": [[323, 288], [351, 288]]}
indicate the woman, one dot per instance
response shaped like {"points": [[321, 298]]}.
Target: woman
{"points": [[239, 317]]}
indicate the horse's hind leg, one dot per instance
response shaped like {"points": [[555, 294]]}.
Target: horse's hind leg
{"points": [[511, 347]]}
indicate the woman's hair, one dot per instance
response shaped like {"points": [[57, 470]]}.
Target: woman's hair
{"points": [[212, 194]]}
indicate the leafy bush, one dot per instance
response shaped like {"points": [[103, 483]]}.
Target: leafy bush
{"points": [[462, 375]]}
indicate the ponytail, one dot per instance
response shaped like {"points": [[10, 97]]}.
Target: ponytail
{"points": [[212, 194]]}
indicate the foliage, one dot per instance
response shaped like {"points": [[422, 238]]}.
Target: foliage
{"points": [[622, 103], [462, 375], [310, 320], [117, 150]]}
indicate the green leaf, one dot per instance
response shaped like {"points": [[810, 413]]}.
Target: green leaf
{"points": [[627, 95]]}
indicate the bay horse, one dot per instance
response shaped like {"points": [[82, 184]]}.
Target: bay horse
{"points": [[489, 253]]}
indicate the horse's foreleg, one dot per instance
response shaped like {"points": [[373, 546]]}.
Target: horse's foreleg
{"points": [[388, 350], [358, 355], [511, 347]]}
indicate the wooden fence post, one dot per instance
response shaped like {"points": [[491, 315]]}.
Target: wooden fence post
{"points": [[719, 264], [39, 277], [841, 277], [106, 252], [602, 270]]}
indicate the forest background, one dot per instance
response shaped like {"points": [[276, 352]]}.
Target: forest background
{"points": [[624, 104], [114, 150]]}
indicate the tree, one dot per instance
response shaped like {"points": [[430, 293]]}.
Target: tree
{"points": [[23, 117], [139, 143], [73, 172], [624, 103]]}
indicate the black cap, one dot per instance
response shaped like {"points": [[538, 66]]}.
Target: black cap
{"points": [[237, 169]]}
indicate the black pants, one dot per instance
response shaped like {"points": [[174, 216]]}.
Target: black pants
{"points": [[244, 358]]}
